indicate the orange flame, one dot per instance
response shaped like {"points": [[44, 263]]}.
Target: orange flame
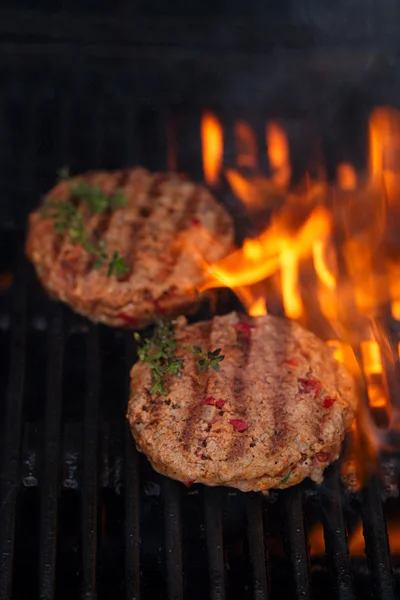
{"points": [[278, 155], [346, 177], [212, 147], [334, 252], [246, 145]]}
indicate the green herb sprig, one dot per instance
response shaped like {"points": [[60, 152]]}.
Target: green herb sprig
{"points": [[159, 353], [207, 360], [286, 478], [69, 220], [96, 200], [117, 265]]}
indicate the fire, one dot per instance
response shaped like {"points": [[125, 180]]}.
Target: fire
{"points": [[346, 177], [332, 250], [290, 285], [278, 155], [212, 144], [246, 145]]}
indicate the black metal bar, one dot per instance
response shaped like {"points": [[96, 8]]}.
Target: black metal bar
{"points": [[337, 551], [257, 548], [49, 498], [90, 471], [296, 534], [9, 475], [132, 500], [173, 538], [376, 541], [214, 539]]}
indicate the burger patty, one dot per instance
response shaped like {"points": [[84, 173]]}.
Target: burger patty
{"points": [[275, 413], [122, 247]]}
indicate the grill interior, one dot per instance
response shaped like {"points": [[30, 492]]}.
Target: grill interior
{"points": [[82, 513]]}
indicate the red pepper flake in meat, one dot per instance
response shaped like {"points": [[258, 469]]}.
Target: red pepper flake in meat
{"points": [[158, 308], [220, 403], [243, 327], [127, 318], [188, 483], [238, 424], [291, 362], [310, 385], [210, 401], [328, 402], [196, 222], [323, 456]]}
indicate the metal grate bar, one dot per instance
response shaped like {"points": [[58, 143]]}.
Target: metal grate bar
{"points": [[257, 548], [173, 538], [132, 500], [90, 472], [335, 536], [214, 538], [48, 520], [12, 436], [296, 533], [376, 541]]}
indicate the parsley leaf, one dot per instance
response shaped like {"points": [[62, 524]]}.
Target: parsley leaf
{"points": [[159, 352], [62, 214], [117, 265], [207, 360], [117, 200], [69, 220], [94, 197], [286, 478], [97, 200]]}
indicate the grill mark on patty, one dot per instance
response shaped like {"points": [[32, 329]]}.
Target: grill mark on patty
{"points": [[74, 267], [190, 208], [73, 283], [280, 402], [241, 406], [198, 393], [107, 222], [140, 230], [265, 352]]}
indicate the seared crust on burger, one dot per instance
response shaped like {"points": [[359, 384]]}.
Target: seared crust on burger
{"points": [[123, 247], [275, 413]]}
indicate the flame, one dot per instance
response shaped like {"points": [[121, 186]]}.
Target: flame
{"points": [[262, 257], [290, 293], [258, 308], [212, 147], [246, 145], [332, 250], [371, 357], [346, 177], [278, 155]]}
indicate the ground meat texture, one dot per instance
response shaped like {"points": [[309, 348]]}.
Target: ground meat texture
{"points": [[271, 430], [168, 223]]}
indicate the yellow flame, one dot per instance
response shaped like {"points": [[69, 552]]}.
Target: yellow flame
{"points": [[212, 147], [278, 154], [289, 274], [371, 356], [246, 145], [320, 266], [261, 258], [258, 308], [346, 177]]}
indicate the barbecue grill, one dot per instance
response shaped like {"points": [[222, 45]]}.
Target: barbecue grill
{"points": [[82, 514]]}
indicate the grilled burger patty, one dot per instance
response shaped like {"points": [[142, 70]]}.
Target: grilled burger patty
{"points": [[122, 247], [275, 413]]}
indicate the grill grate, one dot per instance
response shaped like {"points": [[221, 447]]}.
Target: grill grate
{"points": [[82, 513]]}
